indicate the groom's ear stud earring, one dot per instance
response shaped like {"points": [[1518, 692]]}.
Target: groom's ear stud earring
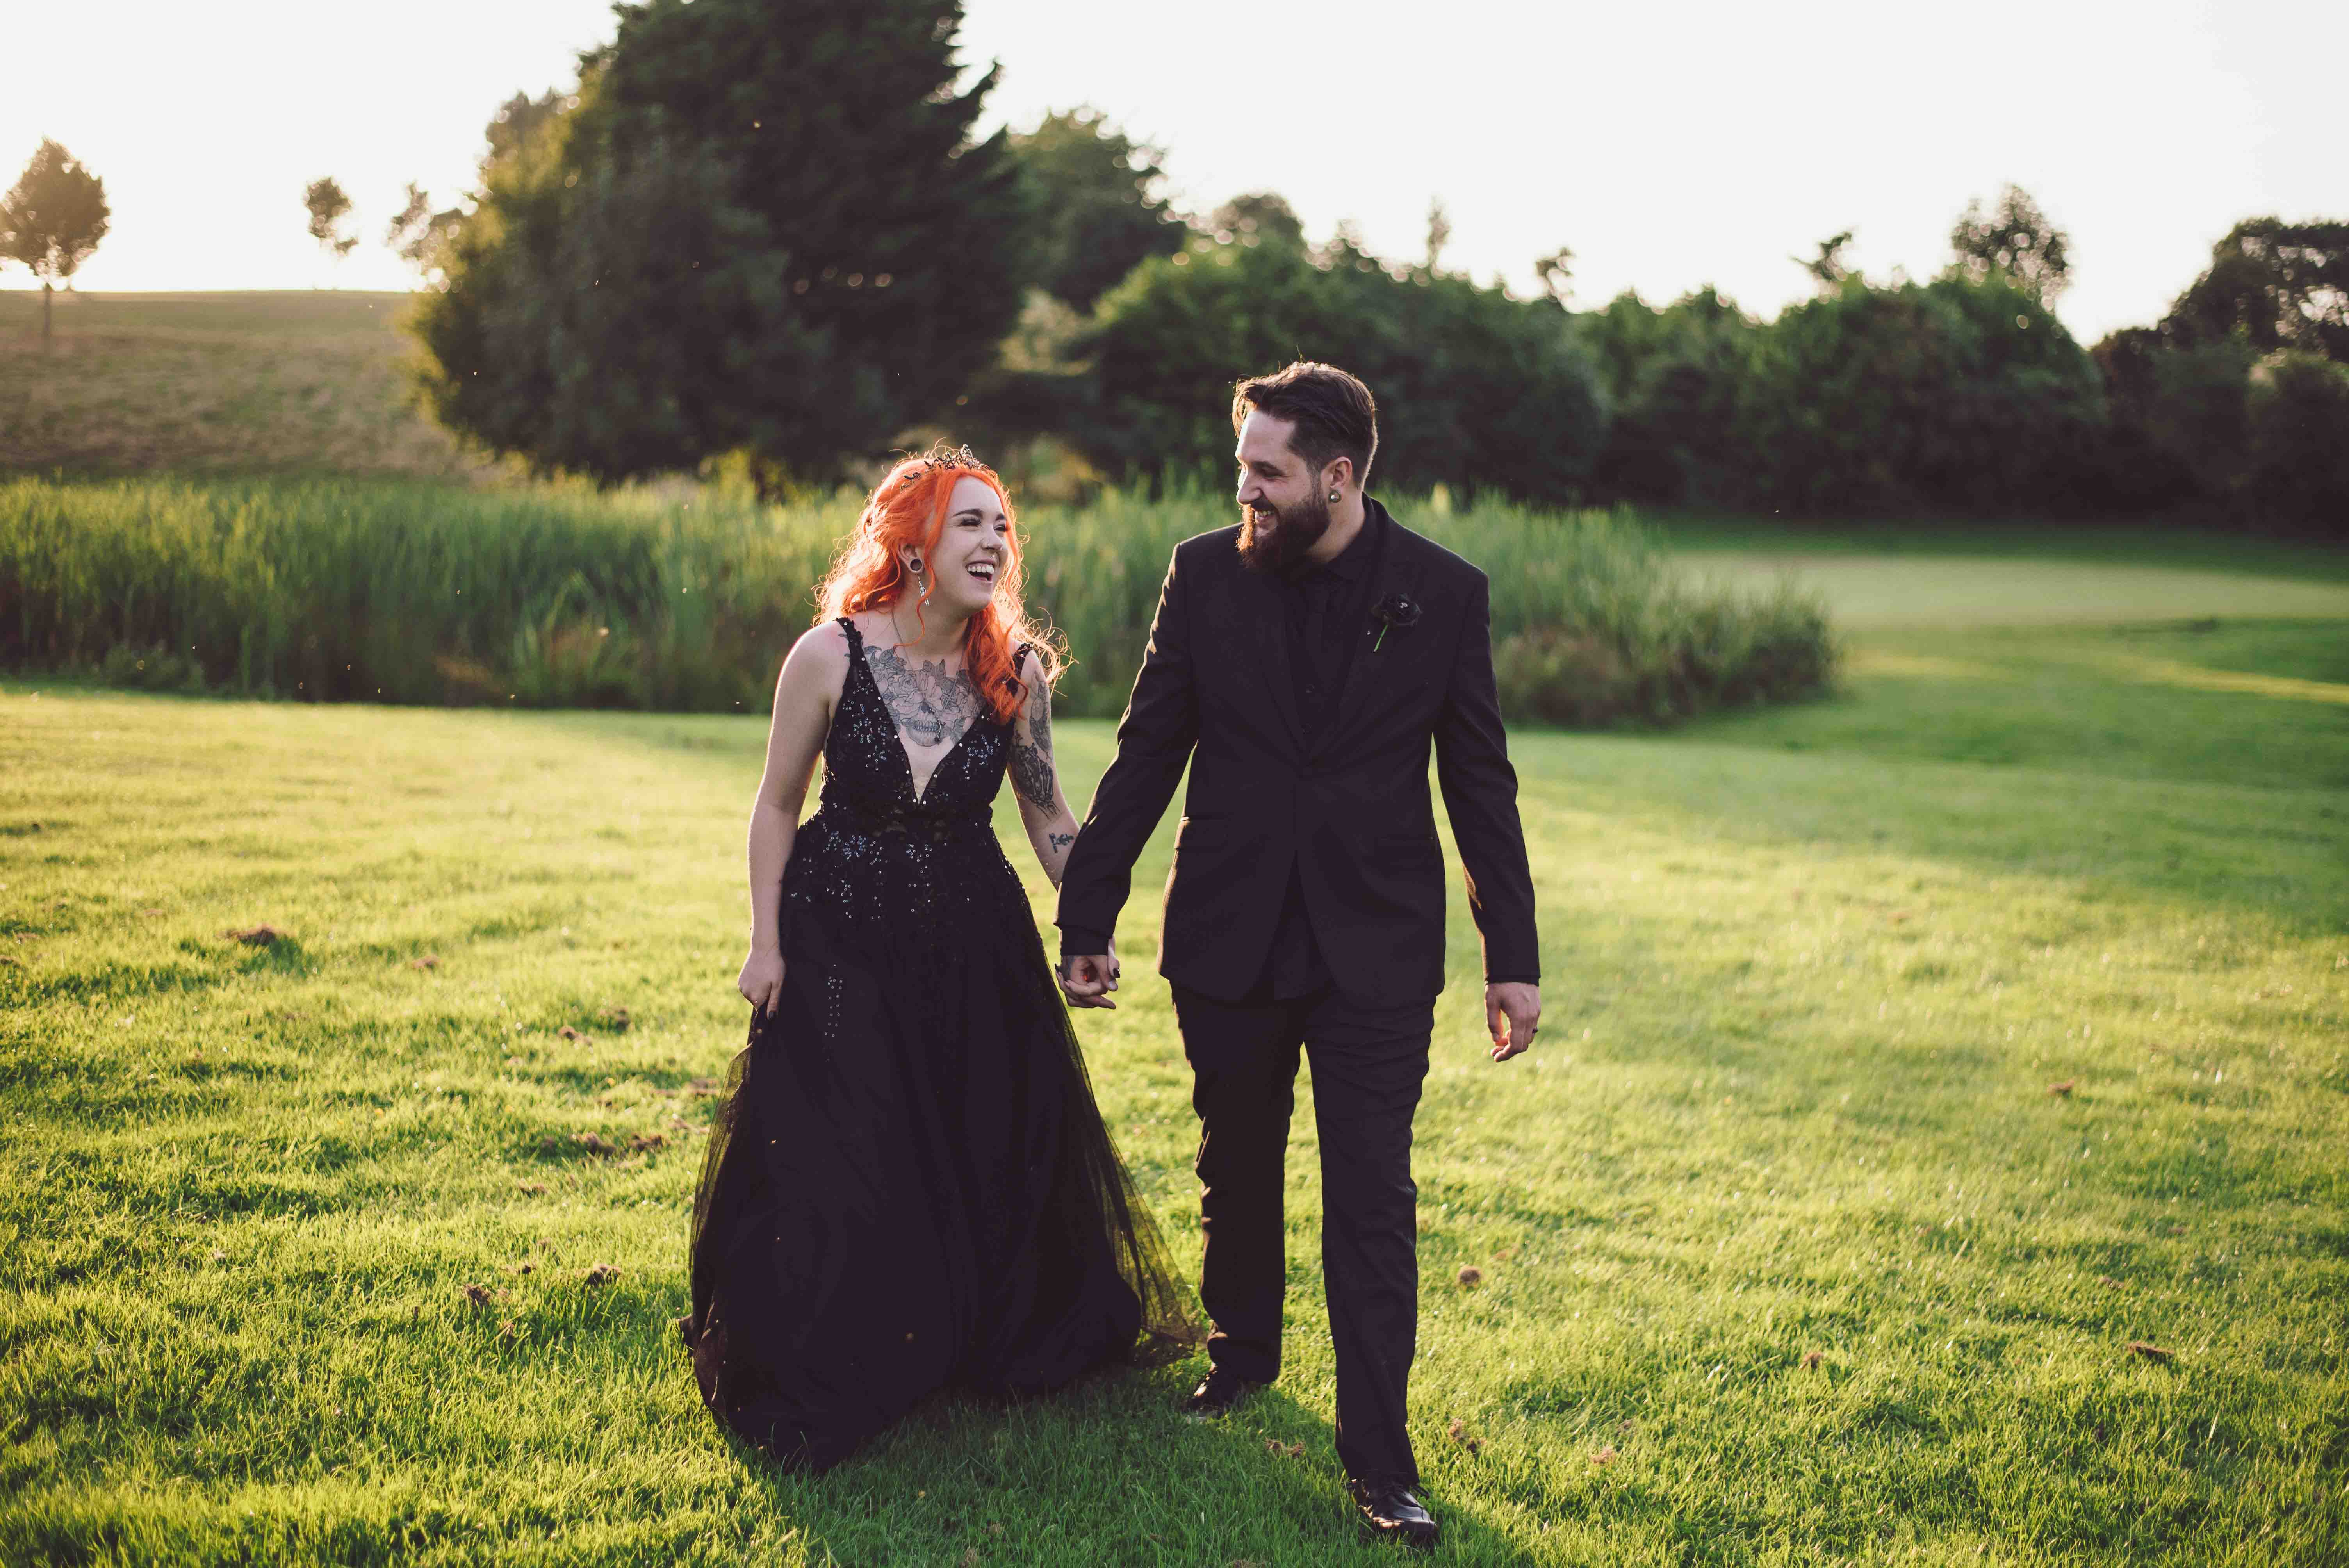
{"points": [[1333, 498]]}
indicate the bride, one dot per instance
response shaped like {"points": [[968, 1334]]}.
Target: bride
{"points": [[908, 1186]]}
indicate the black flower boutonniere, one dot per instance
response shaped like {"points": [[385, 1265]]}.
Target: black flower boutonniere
{"points": [[1393, 614]]}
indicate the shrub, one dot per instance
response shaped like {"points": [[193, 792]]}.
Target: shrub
{"points": [[558, 597]]}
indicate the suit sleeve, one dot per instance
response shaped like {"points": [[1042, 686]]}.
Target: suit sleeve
{"points": [[1480, 794], [1153, 745]]}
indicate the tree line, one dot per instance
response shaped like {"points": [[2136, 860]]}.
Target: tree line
{"points": [[763, 234], [729, 244]]}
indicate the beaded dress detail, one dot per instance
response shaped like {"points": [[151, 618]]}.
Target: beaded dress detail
{"points": [[908, 1186]]}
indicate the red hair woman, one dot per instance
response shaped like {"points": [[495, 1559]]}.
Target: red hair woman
{"points": [[908, 1185]]}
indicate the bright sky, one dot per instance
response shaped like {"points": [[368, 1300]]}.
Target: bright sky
{"points": [[1669, 145]]}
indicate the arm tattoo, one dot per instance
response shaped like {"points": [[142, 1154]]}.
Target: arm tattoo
{"points": [[1060, 841], [1031, 766], [929, 703]]}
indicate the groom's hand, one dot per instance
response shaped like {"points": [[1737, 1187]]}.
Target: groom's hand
{"points": [[1512, 1012], [1087, 981]]}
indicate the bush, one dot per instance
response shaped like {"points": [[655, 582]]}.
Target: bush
{"points": [[556, 597]]}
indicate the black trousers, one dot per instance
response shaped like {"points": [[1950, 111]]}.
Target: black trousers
{"points": [[1368, 1064]]}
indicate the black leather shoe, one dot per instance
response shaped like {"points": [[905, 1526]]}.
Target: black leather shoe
{"points": [[1394, 1513], [1217, 1394]]}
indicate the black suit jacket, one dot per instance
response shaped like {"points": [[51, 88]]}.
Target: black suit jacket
{"points": [[1349, 814]]}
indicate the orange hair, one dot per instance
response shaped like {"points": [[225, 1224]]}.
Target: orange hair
{"points": [[907, 511]]}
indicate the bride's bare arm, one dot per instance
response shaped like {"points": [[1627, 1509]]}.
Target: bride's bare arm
{"points": [[805, 692], [1051, 826]]}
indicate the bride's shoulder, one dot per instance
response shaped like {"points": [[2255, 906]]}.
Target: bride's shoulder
{"points": [[820, 657]]}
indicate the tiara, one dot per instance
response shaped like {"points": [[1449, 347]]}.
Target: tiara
{"points": [[942, 458]]}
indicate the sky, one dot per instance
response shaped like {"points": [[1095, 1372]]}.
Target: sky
{"points": [[1669, 145]]}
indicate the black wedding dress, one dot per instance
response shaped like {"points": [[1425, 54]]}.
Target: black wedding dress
{"points": [[908, 1186]]}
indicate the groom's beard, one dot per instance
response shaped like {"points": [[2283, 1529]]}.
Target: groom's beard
{"points": [[1279, 544]]}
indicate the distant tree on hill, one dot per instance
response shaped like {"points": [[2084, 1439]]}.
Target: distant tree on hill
{"points": [[764, 228], [418, 235], [1097, 209], [328, 207], [53, 218], [2016, 241], [2274, 286]]}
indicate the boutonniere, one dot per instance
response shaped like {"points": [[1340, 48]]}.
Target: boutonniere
{"points": [[1393, 614]]}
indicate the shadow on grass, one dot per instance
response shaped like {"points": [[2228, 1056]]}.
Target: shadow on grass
{"points": [[1104, 1470]]}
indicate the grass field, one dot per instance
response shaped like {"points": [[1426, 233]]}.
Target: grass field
{"points": [[301, 382], [1789, 1252]]}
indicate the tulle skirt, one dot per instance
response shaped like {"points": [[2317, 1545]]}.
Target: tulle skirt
{"points": [[909, 1187]]}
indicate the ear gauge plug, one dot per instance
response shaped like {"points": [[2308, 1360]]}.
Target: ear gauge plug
{"points": [[1333, 498]]}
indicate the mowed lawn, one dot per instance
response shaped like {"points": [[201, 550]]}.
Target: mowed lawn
{"points": [[1934, 1152]]}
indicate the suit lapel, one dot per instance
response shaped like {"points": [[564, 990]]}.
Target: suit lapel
{"points": [[1388, 570]]}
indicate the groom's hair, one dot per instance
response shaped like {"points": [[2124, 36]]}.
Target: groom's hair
{"points": [[1334, 414]]}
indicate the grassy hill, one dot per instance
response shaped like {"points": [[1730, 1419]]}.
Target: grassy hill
{"points": [[276, 382]]}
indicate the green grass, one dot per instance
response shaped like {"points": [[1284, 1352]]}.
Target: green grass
{"points": [[1810, 973], [300, 382]]}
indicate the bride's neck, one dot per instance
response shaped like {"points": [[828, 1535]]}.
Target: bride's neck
{"points": [[928, 632]]}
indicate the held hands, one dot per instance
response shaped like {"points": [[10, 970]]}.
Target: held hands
{"points": [[1087, 982], [762, 980], [1512, 1012]]}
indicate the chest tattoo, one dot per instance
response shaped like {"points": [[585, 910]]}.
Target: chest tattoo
{"points": [[930, 703]]}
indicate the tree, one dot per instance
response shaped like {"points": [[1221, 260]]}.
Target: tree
{"points": [[2015, 241], [1952, 396], [1439, 232], [1259, 218], [328, 207], [2274, 284], [1679, 377], [53, 218], [1557, 273], [1476, 389], [1828, 268], [763, 227], [420, 236], [1097, 209], [519, 120]]}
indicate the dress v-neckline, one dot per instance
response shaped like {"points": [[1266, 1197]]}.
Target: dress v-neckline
{"points": [[919, 790]]}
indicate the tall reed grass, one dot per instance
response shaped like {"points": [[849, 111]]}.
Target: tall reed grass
{"points": [[412, 593]]}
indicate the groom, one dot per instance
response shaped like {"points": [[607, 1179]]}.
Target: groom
{"points": [[1301, 664]]}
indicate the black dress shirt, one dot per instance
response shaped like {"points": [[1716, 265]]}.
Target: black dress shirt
{"points": [[1322, 603]]}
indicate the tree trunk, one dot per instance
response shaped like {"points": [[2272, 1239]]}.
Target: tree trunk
{"points": [[47, 289]]}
